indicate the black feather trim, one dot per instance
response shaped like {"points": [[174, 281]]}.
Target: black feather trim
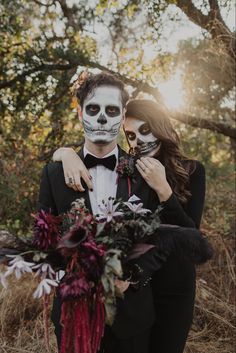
{"points": [[188, 243]]}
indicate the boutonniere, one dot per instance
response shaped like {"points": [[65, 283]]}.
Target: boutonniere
{"points": [[125, 169]]}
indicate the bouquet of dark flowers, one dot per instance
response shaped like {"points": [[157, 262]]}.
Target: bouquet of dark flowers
{"points": [[93, 251]]}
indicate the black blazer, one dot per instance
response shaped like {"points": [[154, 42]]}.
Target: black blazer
{"points": [[135, 312]]}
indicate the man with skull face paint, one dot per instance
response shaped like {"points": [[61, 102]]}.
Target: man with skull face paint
{"points": [[150, 134], [103, 98]]}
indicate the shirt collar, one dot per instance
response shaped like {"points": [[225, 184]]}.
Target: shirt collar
{"points": [[114, 151]]}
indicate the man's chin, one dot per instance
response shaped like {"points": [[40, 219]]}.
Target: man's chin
{"points": [[102, 141]]}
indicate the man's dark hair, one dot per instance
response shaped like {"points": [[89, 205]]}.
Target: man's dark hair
{"points": [[96, 80]]}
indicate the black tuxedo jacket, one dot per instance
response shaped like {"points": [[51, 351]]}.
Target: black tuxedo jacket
{"points": [[136, 311]]}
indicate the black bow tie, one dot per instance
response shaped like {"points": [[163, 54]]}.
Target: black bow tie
{"points": [[108, 162]]}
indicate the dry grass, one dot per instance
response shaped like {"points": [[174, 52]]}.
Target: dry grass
{"points": [[213, 329], [21, 320]]}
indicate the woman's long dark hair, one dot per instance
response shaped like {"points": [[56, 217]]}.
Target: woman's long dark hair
{"points": [[177, 166]]}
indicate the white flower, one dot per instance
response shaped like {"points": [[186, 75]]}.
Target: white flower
{"points": [[108, 210], [3, 280], [136, 208], [44, 287], [45, 270], [18, 266], [134, 198]]}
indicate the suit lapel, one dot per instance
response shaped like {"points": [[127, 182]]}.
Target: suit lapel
{"points": [[84, 194], [122, 191]]}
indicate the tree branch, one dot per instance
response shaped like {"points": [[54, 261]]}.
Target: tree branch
{"points": [[212, 22], [43, 67], [42, 4], [203, 123], [69, 14]]}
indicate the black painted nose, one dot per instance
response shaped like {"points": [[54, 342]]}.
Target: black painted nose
{"points": [[139, 142], [102, 119]]}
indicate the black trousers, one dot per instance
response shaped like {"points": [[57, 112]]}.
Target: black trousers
{"points": [[174, 294], [110, 343], [136, 344]]}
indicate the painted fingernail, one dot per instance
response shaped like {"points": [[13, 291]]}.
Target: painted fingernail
{"points": [[90, 177], [91, 189]]}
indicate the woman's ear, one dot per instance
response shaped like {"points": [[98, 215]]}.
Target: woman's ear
{"points": [[123, 117], [80, 115]]}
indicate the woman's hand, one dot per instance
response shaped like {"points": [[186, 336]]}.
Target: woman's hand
{"points": [[122, 285], [73, 167], [153, 172]]}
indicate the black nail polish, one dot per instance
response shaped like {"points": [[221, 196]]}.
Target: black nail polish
{"points": [[91, 189]]}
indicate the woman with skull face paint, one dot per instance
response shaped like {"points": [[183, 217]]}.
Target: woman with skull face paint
{"points": [[179, 184]]}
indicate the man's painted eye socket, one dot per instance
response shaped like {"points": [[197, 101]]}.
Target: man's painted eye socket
{"points": [[145, 129], [92, 109], [130, 135], [112, 110]]}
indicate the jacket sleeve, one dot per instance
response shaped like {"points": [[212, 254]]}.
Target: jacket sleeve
{"points": [[45, 198], [189, 216], [139, 271]]}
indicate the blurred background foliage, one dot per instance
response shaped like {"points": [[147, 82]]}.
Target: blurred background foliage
{"points": [[45, 43]]}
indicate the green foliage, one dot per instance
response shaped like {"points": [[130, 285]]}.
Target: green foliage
{"points": [[41, 48]]}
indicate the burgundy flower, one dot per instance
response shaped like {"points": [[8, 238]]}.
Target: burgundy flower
{"points": [[74, 285], [98, 249], [46, 230], [73, 237], [91, 223], [91, 259], [125, 167]]}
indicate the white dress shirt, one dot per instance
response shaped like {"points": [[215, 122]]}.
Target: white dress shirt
{"points": [[104, 182]]}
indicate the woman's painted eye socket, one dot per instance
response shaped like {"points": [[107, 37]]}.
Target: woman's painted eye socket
{"points": [[92, 109], [112, 110], [145, 129], [130, 135]]}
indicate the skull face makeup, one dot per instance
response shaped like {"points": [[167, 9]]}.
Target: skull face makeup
{"points": [[140, 137], [102, 114]]}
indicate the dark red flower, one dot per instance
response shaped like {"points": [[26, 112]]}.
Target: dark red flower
{"points": [[74, 285], [125, 167], [76, 234], [46, 230]]}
